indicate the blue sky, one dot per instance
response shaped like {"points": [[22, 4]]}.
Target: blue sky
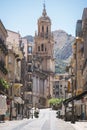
{"points": [[22, 15]]}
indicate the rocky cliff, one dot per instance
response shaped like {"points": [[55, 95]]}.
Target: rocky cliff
{"points": [[62, 49]]}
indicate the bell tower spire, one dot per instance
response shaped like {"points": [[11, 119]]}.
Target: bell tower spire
{"points": [[44, 9]]}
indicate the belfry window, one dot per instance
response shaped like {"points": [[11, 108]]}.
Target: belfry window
{"points": [[42, 47], [47, 29], [38, 48], [42, 28]]}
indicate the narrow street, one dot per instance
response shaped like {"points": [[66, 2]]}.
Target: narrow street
{"points": [[47, 121]]}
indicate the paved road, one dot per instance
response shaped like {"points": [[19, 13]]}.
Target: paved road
{"points": [[47, 121]]}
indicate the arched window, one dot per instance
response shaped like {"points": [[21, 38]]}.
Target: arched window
{"points": [[42, 47], [42, 28], [38, 48], [47, 29], [47, 32], [29, 49]]}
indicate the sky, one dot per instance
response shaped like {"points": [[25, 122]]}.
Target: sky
{"points": [[22, 15]]}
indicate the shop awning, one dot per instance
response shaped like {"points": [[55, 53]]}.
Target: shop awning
{"points": [[19, 100], [77, 97], [17, 85]]}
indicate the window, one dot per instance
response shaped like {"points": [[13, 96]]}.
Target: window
{"points": [[38, 48], [42, 28], [57, 86], [38, 65], [30, 88], [30, 77], [42, 47], [9, 59], [47, 32], [61, 86], [21, 45], [29, 68], [29, 49], [47, 29], [29, 59]]}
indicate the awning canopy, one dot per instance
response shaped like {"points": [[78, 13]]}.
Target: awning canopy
{"points": [[77, 97], [19, 100], [17, 85]]}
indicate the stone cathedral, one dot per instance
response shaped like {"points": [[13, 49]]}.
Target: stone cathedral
{"points": [[43, 62]]}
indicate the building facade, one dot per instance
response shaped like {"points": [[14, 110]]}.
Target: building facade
{"points": [[80, 66], [4, 86], [60, 86], [14, 60], [43, 61], [28, 80]]}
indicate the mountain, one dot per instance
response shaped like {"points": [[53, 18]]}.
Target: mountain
{"points": [[62, 49], [30, 38], [63, 44]]}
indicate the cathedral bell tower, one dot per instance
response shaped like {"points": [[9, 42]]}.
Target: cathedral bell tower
{"points": [[44, 42], [43, 61], [44, 25]]}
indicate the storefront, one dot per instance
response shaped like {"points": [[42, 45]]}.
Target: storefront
{"points": [[18, 107], [80, 105], [3, 107]]}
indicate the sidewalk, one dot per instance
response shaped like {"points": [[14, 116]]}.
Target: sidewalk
{"points": [[80, 125]]}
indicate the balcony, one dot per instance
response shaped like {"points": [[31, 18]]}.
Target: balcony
{"points": [[2, 67], [30, 62], [30, 70], [3, 47], [30, 80], [18, 56], [29, 88], [18, 59]]}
